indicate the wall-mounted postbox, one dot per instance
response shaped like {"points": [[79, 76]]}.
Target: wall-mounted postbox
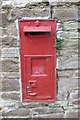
{"points": [[38, 59]]}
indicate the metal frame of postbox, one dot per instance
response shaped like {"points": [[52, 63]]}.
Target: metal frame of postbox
{"points": [[38, 59]]}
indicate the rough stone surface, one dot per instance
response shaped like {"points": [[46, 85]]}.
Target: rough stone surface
{"points": [[70, 34], [67, 84], [17, 112], [62, 95], [71, 44], [67, 102], [10, 65], [20, 3], [10, 76], [74, 99], [44, 116], [71, 114], [3, 18], [3, 31], [70, 63], [32, 11], [10, 96], [68, 52], [9, 41], [11, 29], [46, 110], [10, 85], [70, 25], [66, 13], [63, 1], [68, 73]]}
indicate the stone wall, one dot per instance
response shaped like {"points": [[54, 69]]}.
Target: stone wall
{"points": [[11, 105]]}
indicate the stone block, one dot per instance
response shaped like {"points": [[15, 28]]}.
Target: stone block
{"points": [[68, 51], [67, 84], [10, 65], [69, 63], [64, 35], [68, 73], [64, 2], [11, 29], [0, 64], [9, 41], [74, 94], [62, 95], [71, 39], [10, 96], [3, 17], [31, 105], [18, 112], [46, 110], [69, 35], [47, 116], [10, 52], [70, 25], [0, 83], [3, 31], [75, 102], [74, 98], [73, 34], [19, 3], [58, 104], [7, 4], [32, 11], [70, 44], [72, 113], [10, 75], [10, 85], [0, 19], [64, 13], [9, 105], [0, 31], [53, 116]]}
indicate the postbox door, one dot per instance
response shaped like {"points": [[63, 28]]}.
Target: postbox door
{"points": [[38, 77]]}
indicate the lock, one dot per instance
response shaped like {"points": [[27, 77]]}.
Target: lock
{"points": [[32, 83]]}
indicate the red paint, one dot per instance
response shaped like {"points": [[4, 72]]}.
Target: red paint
{"points": [[38, 59]]}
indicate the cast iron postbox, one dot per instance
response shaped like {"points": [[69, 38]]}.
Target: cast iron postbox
{"points": [[38, 59]]}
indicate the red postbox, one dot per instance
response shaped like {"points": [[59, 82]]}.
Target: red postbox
{"points": [[38, 59]]}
